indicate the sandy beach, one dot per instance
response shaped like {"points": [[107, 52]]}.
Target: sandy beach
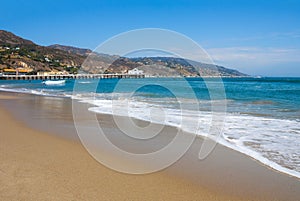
{"points": [[40, 165]]}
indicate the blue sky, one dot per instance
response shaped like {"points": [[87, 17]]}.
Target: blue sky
{"points": [[258, 37]]}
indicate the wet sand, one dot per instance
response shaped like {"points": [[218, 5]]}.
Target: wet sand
{"points": [[47, 162]]}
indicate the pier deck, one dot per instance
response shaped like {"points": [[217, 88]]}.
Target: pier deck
{"points": [[71, 76]]}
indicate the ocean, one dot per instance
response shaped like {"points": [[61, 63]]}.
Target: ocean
{"points": [[262, 118]]}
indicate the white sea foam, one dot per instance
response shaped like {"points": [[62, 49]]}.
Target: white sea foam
{"points": [[54, 82], [40, 92], [85, 82]]}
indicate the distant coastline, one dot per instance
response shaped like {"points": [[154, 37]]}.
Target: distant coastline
{"points": [[21, 56]]}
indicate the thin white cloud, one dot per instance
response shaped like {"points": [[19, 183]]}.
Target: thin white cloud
{"points": [[292, 34], [255, 55], [270, 36], [257, 60]]}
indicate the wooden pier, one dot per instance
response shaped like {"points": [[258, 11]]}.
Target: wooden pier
{"points": [[70, 76]]}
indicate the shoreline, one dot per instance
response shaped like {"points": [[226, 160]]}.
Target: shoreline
{"points": [[242, 178], [262, 160]]}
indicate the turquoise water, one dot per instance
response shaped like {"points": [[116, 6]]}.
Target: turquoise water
{"points": [[274, 97], [262, 119]]}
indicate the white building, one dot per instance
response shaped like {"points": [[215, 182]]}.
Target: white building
{"points": [[47, 59], [135, 71]]}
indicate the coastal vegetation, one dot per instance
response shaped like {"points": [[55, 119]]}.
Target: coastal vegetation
{"points": [[19, 53]]}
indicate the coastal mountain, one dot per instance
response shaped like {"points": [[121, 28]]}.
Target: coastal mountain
{"points": [[155, 66], [9, 38], [185, 67], [70, 49], [16, 52]]}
